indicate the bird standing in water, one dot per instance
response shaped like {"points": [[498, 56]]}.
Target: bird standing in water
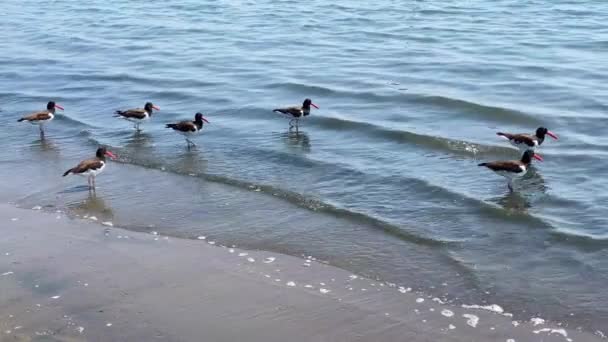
{"points": [[90, 168], [295, 113], [137, 115], [513, 169], [524, 141], [189, 128], [43, 117]]}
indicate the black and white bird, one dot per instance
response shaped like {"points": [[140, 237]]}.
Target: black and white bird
{"points": [[296, 113], [513, 169], [137, 115], [524, 141], [43, 117], [189, 128], [91, 168]]}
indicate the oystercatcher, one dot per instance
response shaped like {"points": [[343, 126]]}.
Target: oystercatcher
{"points": [[296, 112], [90, 168], [43, 117], [137, 115], [513, 169], [189, 128], [525, 141]]}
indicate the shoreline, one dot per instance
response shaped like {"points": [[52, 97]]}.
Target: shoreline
{"points": [[71, 279]]}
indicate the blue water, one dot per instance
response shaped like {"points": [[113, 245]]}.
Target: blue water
{"points": [[381, 180]]}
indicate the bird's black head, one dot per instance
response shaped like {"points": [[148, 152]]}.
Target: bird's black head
{"points": [[528, 155], [541, 132], [150, 106], [50, 105], [101, 153], [307, 103], [199, 118]]}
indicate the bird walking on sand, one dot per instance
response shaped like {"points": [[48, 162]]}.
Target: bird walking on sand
{"points": [[513, 169], [525, 141], [43, 117], [295, 113], [90, 168], [189, 128], [137, 115]]}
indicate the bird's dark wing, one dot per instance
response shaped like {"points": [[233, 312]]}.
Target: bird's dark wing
{"points": [[507, 165], [38, 116], [183, 126], [137, 113]]}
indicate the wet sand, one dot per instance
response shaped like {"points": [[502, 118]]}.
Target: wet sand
{"points": [[78, 280]]}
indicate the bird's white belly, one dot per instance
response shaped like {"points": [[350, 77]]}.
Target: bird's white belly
{"points": [[42, 122], [93, 173], [523, 146], [144, 119]]}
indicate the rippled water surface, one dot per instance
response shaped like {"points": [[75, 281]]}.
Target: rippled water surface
{"points": [[382, 180]]}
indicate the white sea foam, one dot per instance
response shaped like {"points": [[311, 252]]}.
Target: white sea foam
{"points": [[324, 291], [419, 300], [107, 223], [451, 327], [243, 254], [472, 320], [447, 313], [291, 283], [55, 297], [7, 273], [268, 260], [552, 331], [494, 307], [201, 237], [37, 207], [250, 259], [537, 321], [231, 250], [404, 290], [438, 300]]}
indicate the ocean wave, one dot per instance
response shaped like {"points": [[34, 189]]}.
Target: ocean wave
{"points": [[448, 145], [293, 197], [466, 107]]}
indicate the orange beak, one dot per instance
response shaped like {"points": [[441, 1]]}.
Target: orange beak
{"points": [[111, 155]]}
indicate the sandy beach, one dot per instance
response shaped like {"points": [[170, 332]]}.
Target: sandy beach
{"points": [[65, 279]]}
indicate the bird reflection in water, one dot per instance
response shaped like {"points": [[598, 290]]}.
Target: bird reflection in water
{"points": [[530, 188], [93, 205], [298, 139]]}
